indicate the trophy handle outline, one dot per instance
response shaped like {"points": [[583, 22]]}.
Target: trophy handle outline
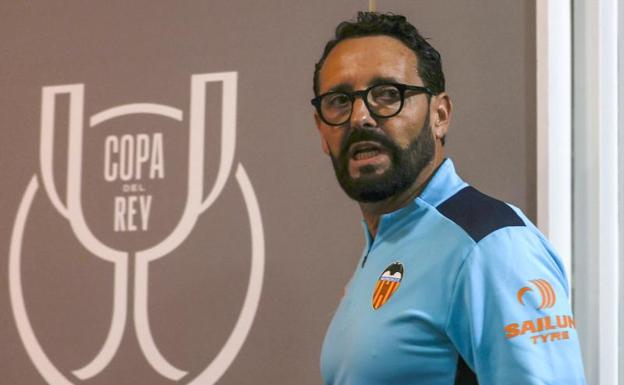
{"points": [[228, 124], [46, 146], [73, 212], [195, 203]]}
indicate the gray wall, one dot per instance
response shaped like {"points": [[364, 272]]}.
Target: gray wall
{"points": [[146, 51]]}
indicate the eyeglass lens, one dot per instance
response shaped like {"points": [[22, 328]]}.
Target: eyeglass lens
{"points": [[382, 100]]}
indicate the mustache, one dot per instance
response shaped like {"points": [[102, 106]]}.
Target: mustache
{"points": [[361, 135]]}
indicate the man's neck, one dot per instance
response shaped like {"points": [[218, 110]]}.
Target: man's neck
{"points": [[373, 211]]}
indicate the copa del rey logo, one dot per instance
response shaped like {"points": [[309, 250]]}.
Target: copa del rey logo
{"points": [[130, 158]]}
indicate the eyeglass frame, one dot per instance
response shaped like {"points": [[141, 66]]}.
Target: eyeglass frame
{"points": [[363, 94]]}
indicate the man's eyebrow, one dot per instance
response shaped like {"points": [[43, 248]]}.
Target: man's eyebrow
{"points": [[346, 87], [382, 80], [342, 87]]}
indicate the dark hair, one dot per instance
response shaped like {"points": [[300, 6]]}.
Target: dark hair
{"points": [[396, 26]]}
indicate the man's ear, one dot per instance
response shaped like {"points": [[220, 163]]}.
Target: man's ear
{"points": [[442, 111], [319, 127]]}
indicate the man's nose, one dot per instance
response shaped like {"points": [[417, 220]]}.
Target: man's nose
{"points": [[360, 115]]}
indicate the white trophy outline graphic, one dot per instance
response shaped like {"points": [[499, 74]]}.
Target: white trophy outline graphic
{"points": [[195, 206]]}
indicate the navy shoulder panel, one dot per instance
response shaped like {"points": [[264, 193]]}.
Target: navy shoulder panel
{"points": [[478, 214]]}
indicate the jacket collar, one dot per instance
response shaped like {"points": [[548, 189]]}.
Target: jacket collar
{"points": [[444, 184]]}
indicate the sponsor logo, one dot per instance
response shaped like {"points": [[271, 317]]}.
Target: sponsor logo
{"points": [[547, 293], [136, 181], [539, 325], [543, 329], [387, 284]]}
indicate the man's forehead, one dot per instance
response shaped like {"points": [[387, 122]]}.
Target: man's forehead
{"points": [[359, 62]]}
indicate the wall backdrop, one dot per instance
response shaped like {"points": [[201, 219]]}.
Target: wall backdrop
{"points": [[168, 216]]}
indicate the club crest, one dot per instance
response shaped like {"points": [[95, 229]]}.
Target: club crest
{"points": [[387, 284]]}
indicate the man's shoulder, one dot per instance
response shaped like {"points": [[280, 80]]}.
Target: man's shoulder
{"points": [[479, 214]]}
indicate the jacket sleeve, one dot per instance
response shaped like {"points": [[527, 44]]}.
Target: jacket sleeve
{"points": [[509, 315]]}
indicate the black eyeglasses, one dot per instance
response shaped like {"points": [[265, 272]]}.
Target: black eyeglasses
{"points": [[382, 100]]}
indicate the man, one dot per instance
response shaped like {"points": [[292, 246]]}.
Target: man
{"points": [[453, 287]]}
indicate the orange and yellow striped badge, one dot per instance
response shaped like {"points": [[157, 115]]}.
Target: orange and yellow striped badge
{"points": [[387, 284]]}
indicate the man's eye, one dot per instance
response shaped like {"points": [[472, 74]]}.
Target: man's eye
{"points": [[337, 100], [386, 93]]}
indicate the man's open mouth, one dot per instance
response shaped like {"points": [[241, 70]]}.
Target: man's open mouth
{"points": [[365, 150]]}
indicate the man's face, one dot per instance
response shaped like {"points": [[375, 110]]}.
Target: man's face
{"points": [[376, 158]]}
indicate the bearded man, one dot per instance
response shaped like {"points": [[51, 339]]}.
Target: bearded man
{"points": [[453, 287]]}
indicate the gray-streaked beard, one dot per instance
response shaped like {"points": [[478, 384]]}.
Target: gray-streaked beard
{"points": [[405, 166]]}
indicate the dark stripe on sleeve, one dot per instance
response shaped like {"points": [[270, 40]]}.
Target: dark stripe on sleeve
{"points": [[477, 213], [464, 375]]}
